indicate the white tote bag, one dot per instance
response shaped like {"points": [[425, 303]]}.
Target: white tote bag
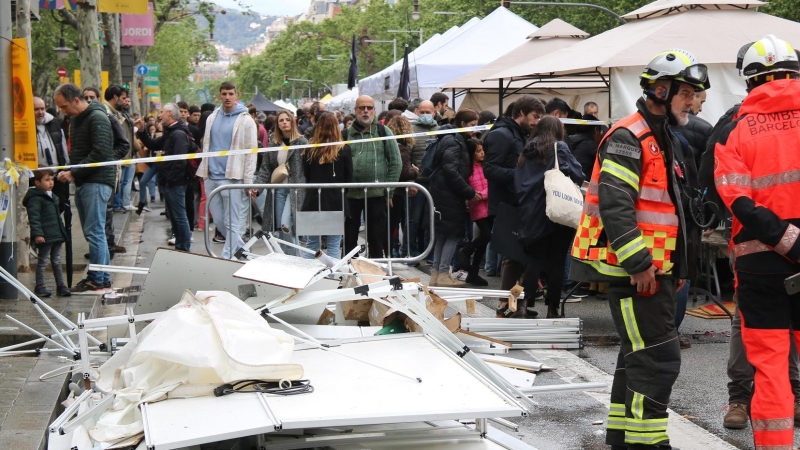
{"points": [[564, 198]]}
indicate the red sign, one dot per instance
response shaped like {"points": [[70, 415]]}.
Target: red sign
{"points": [[62, 71]]}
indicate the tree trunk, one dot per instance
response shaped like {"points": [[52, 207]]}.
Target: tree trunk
{"points": [[23, 227], [111, 26], [89, 50]]}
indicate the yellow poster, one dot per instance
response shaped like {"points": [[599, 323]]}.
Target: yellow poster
{"points": [[25, 150], [122, 6]]}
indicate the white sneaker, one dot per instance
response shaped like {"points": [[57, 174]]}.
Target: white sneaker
{"points": [[130, 208], [192, 238], [461, 275], [171, 241], [145, 208]]}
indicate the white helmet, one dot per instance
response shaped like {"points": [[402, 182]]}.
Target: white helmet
{"points": [[768, 55]]}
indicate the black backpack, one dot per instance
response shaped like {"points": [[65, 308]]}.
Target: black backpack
{"points": [[430, 161], [192, 164]]}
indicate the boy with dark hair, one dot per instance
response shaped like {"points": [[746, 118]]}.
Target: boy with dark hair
{"points": [[47, 231]]}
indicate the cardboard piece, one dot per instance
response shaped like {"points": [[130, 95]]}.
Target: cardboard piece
{"points": [[327, 317], [356, 309], [381, 315], [436, 306]]}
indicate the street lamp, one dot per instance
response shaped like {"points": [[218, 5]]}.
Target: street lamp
{"points": [[409, 31], [415, 14], [62, 51], [393, 42]]}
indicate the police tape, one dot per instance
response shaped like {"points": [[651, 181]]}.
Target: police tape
{"points": [[250, 151]]}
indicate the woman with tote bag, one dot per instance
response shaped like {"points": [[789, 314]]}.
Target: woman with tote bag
{"points": [[546, 242]]}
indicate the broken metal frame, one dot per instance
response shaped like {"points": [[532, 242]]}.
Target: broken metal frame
{"points": [[66, 344]]}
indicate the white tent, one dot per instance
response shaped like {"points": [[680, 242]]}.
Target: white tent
{"points": [[480, 93], [344, 102], [374, 85], [455, 53], [712, 32]]}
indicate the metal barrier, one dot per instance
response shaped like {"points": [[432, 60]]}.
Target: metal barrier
{"points": [[389, 187]]}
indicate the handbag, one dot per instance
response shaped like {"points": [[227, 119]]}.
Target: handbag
{"points": [[280, 173], [564, 198]]}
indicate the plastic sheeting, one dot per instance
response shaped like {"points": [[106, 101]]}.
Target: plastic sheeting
{"points": [[202, 342]]}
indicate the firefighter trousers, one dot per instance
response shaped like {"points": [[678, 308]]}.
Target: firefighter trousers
{"points": [[769, 317], [647, 366]]}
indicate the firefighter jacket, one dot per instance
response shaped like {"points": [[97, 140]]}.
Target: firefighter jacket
{"points": [[632, 215], [757, 174]]}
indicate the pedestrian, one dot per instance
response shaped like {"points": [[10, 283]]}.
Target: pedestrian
{"points": [[47, 231], [229, 127], [281, 167], [172, 175], [755, 161], [450, 190], [471, 255], [583, 145], [373, 161], [503, 144], [348, 120], [52, 146], [115, 96], [313, 111], [422, 121], [92, 140], [628, 236], [327, 164], [545, 242], [398, 220], [193, 181]]}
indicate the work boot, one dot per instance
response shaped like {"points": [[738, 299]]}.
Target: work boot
{"points": [[445, 280], [434, 278], [552, 311], [736, 418], [522, 312]]}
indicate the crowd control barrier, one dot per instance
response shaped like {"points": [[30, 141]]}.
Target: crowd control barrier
{"points": [[323, 223]]}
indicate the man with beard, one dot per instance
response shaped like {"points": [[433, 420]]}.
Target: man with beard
{"points": [[632, 235], [372, 162], [52, 147], [503, 145]]}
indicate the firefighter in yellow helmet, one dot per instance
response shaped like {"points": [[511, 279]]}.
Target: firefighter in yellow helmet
{"points": [[633, 235]]}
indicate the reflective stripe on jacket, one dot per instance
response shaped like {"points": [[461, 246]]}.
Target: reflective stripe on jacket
{"points": [[657, 223]]}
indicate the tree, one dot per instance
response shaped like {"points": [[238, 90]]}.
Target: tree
{"points": [[177, 48]]}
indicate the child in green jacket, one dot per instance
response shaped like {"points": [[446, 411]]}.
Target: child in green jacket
{"points": [[47, 231]]}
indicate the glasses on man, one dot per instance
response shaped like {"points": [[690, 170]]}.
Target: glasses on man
{"points": [[365, 108]]}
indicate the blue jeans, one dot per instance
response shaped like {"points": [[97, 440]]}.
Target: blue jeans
{"points": [[149, 180], [175, 199], [334, 244], [90, 201], [494, 261], [417, 217], [682, 299], [283, 216], [225, 209], [123, 196]]}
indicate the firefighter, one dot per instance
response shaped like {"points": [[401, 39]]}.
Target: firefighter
{"points": [[633, 235], [757, 170]]}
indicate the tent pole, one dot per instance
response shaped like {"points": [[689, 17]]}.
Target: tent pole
{"points": [[500, 99], [454, 98], [609, 93]]}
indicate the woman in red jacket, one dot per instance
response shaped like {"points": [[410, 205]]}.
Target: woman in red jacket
{"points": [[470, 256]]}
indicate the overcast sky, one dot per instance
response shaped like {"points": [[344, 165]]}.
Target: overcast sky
{"points": [[268, 7]]}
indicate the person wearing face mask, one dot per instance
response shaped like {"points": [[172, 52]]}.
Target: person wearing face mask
{"points": [[632, 234], [421, 115]]}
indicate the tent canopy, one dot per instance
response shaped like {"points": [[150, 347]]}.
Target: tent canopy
{"points": [[665, 7], [714, 36], [262, 104], [553, 36], [344, 101]]}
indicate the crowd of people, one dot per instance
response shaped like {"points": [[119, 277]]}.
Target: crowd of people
{"points": [[649, 180]]}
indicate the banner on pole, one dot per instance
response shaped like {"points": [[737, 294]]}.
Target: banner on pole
{"points": [[25, 151], [122, 6], [137, 29]]}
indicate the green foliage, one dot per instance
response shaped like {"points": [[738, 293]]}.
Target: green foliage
{"points": [[45, 35], [177, 48], [787, 9]]}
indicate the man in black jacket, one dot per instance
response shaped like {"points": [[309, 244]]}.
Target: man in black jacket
{"points": [[92, 141], [503, 145], [172, 175]]}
